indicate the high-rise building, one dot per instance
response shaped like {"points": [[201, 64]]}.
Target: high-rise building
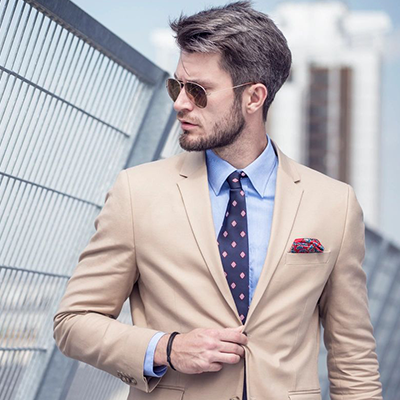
{"points": [[327, 115]]}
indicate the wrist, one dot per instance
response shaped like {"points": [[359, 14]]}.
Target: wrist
{"points": [[169, 348], [160, 355]]}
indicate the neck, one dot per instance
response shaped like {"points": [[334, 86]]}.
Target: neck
{"points": [[246, 149]]}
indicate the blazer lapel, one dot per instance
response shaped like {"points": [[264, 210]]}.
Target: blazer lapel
{"points": [[288, 196], [196, 198]]}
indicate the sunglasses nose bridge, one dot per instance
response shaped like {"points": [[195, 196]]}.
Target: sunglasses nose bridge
{"points": [[183, 100]]}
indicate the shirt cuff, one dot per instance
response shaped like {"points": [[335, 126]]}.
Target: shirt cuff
{"points": [[149, 368]]}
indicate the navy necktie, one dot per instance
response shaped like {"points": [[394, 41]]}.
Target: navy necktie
{"points": [[233, 244]]}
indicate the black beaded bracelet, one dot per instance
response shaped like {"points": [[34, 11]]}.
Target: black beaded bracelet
{"points": [[169, 348]]}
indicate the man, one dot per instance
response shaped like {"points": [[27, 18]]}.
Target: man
{"points": [[230, 253]]}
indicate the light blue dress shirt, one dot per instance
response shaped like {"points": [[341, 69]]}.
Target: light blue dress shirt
{"points": [[259, 190]]}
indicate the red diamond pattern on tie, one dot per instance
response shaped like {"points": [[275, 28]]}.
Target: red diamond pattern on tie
{"points": [[233, 244]]}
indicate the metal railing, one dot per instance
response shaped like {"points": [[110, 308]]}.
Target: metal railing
{"points": [[76, 106]]}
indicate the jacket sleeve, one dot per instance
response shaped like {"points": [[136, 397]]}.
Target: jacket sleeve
{"points": [[85, 326], [348, 333]]}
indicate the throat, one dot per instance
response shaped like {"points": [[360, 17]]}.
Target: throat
{"points": [[240, 155]]}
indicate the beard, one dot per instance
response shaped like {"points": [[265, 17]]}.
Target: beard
{"points": [[223, 133]]}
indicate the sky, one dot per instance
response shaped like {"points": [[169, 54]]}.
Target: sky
{"points": [[134, 22]]}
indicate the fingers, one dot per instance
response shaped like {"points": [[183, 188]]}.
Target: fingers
{"points": [[206, 350], [226, 358], [232, 348], [238, 328], [233, 335], [215, 367]]}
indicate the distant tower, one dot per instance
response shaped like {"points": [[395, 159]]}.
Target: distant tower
{"points": [[327, 115]]}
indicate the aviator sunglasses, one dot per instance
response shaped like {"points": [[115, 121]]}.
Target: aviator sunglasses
{"points": [[196, 93]]}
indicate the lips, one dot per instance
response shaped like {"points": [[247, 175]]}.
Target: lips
{"points": [[184, 121], [186, 124]]}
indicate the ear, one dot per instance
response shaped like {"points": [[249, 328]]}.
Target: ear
{"points": [[255, 97]]}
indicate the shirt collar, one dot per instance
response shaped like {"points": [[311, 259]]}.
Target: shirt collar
{"points": [[259, 171]]}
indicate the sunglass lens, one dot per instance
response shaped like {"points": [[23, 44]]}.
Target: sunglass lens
{"points": [[197, 94], [173, 88]]}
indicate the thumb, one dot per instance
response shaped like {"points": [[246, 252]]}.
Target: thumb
{"points": [[238, 328]]}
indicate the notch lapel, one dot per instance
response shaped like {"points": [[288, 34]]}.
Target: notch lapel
{"points": [[288, 196], [196, 198]]}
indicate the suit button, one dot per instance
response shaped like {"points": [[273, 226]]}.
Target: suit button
{"points": [[129, 380]]}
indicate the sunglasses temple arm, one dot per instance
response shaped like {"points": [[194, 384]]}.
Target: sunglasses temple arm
{"points": [[233, 87]]}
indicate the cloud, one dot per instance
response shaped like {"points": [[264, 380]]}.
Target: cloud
{"points": [[166, 50], [162, 38]]}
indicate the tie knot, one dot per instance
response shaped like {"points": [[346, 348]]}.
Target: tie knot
{"points": [[234, 179]]}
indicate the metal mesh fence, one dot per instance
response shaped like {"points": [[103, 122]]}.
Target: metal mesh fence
{"points": [[171, 146], [70, 112]]}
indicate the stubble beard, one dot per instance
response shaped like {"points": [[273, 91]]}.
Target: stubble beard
{"points": [[223, 133]]}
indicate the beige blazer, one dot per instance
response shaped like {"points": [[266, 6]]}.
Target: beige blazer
{"points": [[155, 244]]}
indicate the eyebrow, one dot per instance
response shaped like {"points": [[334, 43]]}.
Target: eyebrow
{"points": [[199, 81]]}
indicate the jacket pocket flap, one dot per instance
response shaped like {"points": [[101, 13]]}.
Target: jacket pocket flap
{"points": [[307, 258]]}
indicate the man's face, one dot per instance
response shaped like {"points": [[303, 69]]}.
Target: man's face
{"points": [[221, 122]]}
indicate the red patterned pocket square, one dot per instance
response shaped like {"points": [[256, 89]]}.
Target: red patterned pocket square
{"points": [[306, 245]]}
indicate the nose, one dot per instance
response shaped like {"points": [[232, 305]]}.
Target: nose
{"points": [[183, 102]]}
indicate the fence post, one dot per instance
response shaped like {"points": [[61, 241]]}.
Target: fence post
{"points": [[155, 127], [57, 377]]}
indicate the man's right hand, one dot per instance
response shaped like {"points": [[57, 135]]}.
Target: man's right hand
{"points": [[202, 350]]}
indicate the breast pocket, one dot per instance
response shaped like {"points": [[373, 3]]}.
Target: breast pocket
{"points": [[310, 259]]}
